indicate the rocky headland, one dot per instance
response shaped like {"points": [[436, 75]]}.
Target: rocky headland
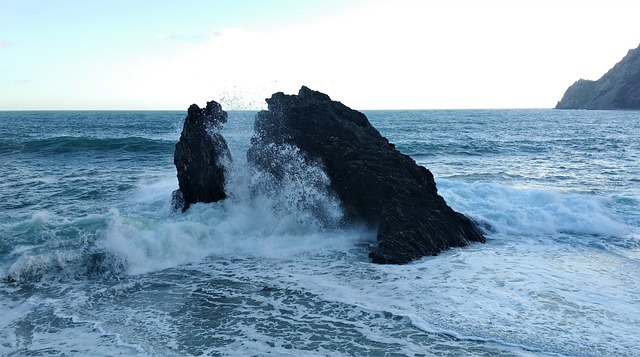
{"points": [[619, 88]]}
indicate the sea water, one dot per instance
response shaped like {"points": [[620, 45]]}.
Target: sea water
{"points": [[94, 261]]}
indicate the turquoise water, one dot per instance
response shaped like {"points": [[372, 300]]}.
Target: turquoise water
{"points": [[93, 261]]}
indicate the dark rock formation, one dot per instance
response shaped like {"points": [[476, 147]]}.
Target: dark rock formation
{"points": [[199, 157], [375, 182], [619, 88]]}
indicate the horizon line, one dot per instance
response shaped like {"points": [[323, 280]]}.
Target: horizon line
{"points": [[257, 110]]}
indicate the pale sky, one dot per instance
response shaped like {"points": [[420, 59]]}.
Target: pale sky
{"points": [[375, 54]]}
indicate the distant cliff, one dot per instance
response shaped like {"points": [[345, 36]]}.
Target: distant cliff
{"points": [[619, 88]]}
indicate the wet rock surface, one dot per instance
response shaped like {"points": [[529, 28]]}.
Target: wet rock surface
{"points": [[200, 157], [375, 182]]}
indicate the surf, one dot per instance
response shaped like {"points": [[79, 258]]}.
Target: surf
{"points": [[120, 272]]}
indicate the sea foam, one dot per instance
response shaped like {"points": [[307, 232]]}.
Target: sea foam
{"points": [[532, 211], [263, 217]]}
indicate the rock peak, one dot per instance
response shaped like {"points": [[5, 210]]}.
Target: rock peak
{"points": [[311, 95], [211, 115], [619, 88]]}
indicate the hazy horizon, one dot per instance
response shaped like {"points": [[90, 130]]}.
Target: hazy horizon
{"points": [[256, 110]]}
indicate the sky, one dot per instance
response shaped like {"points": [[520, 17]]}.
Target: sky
{"points": [[368, 54]]}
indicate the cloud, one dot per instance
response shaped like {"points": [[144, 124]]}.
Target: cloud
{"points": [[6, 44], [395, 54], [187, 38], [234, 66]]}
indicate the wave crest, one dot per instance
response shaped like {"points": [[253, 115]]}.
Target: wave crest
{"points": [[72, 144], [533, 212]]}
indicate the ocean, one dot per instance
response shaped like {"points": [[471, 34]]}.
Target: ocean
{"points": [[94, 261]]}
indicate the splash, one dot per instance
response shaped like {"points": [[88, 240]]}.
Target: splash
{"points": [[264, 216]]}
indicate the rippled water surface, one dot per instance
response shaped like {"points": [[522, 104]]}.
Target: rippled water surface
{"points": [[93, 261]]}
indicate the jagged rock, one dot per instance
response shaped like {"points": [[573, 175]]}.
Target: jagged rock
{"points": [[200, 156], [375, 182], [619, 88]]}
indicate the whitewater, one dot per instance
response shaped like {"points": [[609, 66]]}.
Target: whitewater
{"points": [[94, 261]]}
